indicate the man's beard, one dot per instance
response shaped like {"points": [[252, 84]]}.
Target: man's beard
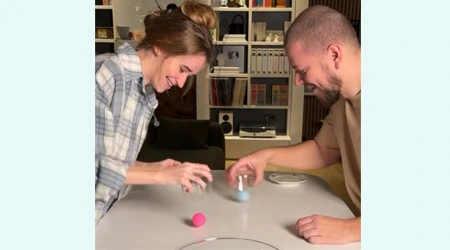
{"points": [[331, 95]]}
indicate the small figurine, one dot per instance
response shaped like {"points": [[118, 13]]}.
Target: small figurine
{"points": [[232, 3], [276, 39]]}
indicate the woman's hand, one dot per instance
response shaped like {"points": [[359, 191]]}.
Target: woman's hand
{"points": [[173, 172], [169, 172], [164, 164]]}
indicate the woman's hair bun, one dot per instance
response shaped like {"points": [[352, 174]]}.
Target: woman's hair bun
{"points": [[199, 13]]}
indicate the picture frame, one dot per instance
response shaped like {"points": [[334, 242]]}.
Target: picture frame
{"points": [[271, 34], [138, 35], [234, 56], [104, 33]]}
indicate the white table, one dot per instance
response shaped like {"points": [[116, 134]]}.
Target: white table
{"points": [[158, 217]]}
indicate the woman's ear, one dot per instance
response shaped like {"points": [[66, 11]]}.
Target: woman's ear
{"points": [[156, 51]]}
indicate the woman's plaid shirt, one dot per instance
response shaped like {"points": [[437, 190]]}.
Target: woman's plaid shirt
{"points": [[123, 109]]}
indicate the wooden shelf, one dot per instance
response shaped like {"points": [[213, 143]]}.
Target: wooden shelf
{"points": [[105, 18], [267, 43], [269, 76], [231, 43], [232, 9], [99, 40], [104, 7], [243, 75], [250, 107], [287, 118]]}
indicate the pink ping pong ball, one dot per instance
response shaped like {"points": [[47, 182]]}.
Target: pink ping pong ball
{"points": [[198, 219]]}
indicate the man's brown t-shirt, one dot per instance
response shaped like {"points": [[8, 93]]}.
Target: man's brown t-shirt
{"points": [[342, 130]]}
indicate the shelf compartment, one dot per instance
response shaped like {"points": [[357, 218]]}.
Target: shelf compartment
{"points": [[269, 92], [104, 18], [227, 91], [277, 117], [102, 47]]}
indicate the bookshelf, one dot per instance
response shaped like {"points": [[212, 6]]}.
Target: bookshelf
{"points": [[105, 23], [260, 90]]}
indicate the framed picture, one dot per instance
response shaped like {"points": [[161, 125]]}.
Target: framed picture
{"points": [[274, 35], [138, 35], [104, 33], [234, 57]]}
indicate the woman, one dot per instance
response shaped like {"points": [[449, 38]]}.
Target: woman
{"points": [[177, 44]]}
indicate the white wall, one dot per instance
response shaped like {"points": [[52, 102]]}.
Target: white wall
{"points": [[127, 16]]}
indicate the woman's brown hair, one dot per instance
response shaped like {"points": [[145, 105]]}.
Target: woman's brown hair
{"points": [[182, 31]]}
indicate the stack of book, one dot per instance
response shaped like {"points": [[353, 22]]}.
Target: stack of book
{"points": [[234, 38], [225, 70], [228, 91]]}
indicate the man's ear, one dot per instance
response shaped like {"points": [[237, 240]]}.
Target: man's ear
{"points": [[334, 55]]}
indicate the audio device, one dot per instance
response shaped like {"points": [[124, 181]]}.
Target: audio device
{"points": [[226, 121], [256, 130]]}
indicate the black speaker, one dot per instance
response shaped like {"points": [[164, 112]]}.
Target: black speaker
{"points": [[226, 121]]}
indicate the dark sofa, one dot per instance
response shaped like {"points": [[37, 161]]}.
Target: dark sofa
{"points": [[185, 140]]}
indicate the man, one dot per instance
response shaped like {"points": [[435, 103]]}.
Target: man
{"points": [[324, 51]]}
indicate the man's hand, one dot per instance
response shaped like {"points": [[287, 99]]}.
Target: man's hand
{"points": [[254, 162], [319, 229]]}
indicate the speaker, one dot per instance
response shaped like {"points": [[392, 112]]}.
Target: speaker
{"points": [[226, 121]]}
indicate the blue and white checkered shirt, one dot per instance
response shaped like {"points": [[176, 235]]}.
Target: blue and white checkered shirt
{"points": [[123, 110]]}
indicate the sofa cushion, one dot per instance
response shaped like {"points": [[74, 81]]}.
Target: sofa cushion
{"points": [[181, 134], [212, 156]]}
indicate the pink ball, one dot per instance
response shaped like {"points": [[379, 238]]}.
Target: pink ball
{"points": [[198, 219]]}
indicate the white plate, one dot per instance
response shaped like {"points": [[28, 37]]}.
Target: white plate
{"points": [[227, 243], [288, 179]]}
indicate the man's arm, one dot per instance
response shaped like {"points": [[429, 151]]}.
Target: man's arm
{"points": [[303, 156], [321, 152]]}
